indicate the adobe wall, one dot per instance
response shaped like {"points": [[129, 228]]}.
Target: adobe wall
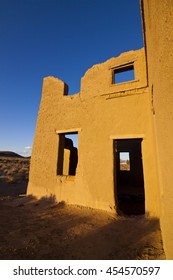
{"points": [[100, 113], [158, 32]]}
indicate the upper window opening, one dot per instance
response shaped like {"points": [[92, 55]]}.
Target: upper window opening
{"points": [[124, 161], [67, 154], [124, 74]]}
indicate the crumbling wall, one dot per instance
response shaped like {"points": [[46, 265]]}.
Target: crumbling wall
{"points": [[158, 33], [102, 112]]}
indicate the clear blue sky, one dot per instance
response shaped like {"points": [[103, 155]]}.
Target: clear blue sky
{"points": [[62, 38]]}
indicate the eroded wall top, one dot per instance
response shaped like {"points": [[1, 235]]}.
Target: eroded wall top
{"points": [[100, 79]]}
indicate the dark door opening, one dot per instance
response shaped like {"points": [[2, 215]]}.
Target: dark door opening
{"points": [[128, 177]]}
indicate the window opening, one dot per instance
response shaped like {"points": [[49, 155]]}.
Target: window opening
{"points": [[124, 74], [124, 159], [67, 154]]}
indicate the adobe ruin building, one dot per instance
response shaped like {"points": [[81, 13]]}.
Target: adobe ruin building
{"points": [[134, 117]]}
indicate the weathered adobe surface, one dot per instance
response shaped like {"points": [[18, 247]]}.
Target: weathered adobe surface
{"points": [[158, 35], [101, 112]]}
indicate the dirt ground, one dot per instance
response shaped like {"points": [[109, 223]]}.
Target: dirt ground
{"points": [[32, 229], [43, 229]]}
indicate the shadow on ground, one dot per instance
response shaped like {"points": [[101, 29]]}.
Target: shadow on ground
{"points": [[13, 189], [43, 229]]}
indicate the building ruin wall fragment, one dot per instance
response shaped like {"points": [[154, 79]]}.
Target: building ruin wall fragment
{"points": [[102, 112], [158, 38]]}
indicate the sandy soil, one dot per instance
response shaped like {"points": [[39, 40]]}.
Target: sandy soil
{"points": [[32, 229], [43, 229]]}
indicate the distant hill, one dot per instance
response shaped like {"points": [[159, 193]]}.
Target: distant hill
{"points": [[9, 154]]}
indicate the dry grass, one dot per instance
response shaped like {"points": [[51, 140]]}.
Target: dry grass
{"points": [[14, 170]]}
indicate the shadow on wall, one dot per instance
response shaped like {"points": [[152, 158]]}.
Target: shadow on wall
{"points": [[42, 229]]}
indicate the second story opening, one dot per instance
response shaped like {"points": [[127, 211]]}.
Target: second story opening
{"points": [[123, 74]]}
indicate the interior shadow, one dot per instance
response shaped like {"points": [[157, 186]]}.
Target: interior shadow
{"points": [[128, 177]]}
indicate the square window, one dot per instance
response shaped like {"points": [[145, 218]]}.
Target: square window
{"points": [[124, 74]]}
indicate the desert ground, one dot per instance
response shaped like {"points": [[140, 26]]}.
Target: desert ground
{"points": [[45, 229]]}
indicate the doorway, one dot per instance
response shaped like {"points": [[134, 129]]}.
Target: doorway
{"points": [[128, 177]]}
